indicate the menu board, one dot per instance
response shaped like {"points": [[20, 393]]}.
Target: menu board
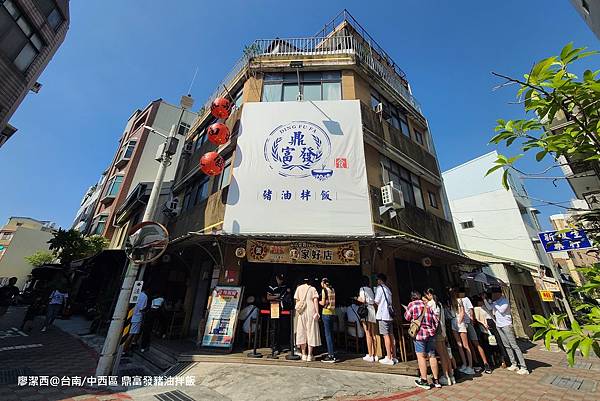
{"points": [[222, 317]]}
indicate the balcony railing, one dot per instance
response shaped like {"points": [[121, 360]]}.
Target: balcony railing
{"points": [[314, 46]]}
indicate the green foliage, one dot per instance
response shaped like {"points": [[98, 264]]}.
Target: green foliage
{"points": [[551, 94], [40, 258], [584, 333], [70, 245]]}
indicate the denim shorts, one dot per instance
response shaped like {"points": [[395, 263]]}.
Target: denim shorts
{"points": [[426, 347]]}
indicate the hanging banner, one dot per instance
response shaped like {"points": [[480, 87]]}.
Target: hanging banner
{"points": [[222, 317], [303, 252], [299, 169]]}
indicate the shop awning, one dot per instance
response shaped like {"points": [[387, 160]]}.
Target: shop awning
{"points": [[405, 241]]}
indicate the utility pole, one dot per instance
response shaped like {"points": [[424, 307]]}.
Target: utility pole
{"points": [[567, 306], [113, 337]]}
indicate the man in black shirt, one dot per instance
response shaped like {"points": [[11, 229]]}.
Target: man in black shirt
{"points": [[7, 295], [279, 296]]}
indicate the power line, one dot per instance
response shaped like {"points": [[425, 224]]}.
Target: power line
{"points": [[508, 208]]}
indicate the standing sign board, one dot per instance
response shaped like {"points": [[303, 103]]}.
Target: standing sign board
{"points": [[136, 291], [222, 317], [560, 241], [300, 169]]}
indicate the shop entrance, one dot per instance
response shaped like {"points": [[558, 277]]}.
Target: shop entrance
{"points": [[345, 279]]}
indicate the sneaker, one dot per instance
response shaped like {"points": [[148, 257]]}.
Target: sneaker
{"points": [[487, 369], [444, 381], [422, 383], [368, 358], [395, 360], [436, 383], [143, 350], [329, 359], [376, 358], [522, 371], [310, 358], [513, 368], [468, 371], [303, 357], [44, 329], [386, 361], [477, 369], [452, 380]]}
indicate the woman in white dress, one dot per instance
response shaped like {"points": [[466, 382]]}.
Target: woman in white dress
{"points": [[307, 319], [366, 296]]}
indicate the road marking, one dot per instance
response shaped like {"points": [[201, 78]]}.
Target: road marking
{"points": [[12, 332], [20, 347]]}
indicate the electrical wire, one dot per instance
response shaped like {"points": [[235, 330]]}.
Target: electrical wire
{"points": [[508, 208]]}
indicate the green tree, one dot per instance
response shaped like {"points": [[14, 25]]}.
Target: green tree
{"points": [[70, 245], [40, 258], [563, 123]]}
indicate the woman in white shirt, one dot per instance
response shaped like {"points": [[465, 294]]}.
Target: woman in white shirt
{"points": [[366, 296]]}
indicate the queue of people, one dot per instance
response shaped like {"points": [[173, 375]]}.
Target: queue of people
{"points": [[479, 329]]}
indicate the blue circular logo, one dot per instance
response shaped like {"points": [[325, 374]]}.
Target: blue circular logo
{"points": [[297, 149]]}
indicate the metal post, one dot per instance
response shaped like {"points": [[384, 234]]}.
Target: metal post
{"points": [[562, 292], [113, 336]]}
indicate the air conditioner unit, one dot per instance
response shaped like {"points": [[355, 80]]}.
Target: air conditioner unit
{"points": [[188, 147], [392, 197], [379, 108]]}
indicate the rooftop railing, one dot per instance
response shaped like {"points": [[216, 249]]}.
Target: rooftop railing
{"points": [[314, 46]]}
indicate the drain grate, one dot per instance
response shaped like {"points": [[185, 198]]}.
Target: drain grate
{"points": [[570, 383], [174, 396], [579, 365], [178, 369], [11, 376]]}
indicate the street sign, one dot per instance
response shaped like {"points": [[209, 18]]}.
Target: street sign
{"points": [[547, 296], [136, 291], [560, 241]]}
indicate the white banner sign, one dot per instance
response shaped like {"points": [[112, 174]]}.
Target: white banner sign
{"points": [[300, 169]]}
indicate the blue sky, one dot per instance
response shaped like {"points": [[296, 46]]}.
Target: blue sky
{"points": [[119, 55]]}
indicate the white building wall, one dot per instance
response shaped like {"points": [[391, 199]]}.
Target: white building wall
{"points": [[166, 116], [25, 242], [498, 226]]}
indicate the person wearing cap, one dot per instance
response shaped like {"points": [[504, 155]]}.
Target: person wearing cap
{"points": [[501, 308], [247, 314]]}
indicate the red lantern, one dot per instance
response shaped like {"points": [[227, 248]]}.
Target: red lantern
{"points": [[218, 133], [212, 163], [220, 108]]}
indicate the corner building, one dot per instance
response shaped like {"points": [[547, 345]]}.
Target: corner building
{"points": [[301, 187]]}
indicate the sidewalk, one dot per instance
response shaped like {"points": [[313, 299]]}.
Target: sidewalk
{"points": [[53, 353], [550, 380]]}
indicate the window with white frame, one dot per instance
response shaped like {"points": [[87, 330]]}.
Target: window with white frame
{"points": [[315, 85], [114, 185], [100, 224], [183, 128], [128, 150], [6, 236], [19, 42]]}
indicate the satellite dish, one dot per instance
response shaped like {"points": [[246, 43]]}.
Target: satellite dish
{"points": [[146, 242]]}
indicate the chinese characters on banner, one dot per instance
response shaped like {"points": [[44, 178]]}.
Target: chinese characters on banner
{"points": [[559, 241], [300, 169], [303, 252], [547, 296], [222, 317]]}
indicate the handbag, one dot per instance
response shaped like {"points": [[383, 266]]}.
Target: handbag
{"points": [[301, 305], [415, 324], [363, 311]]}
